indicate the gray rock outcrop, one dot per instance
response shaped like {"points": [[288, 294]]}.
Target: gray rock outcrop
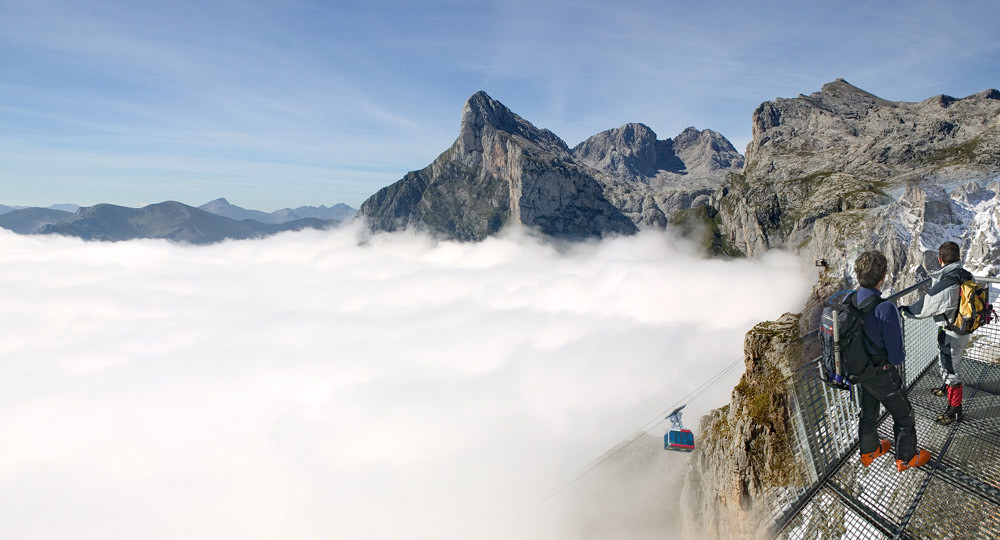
{"points": [[844, 149], [744, 448], [501, 170], [650, 179], [504, 170]]}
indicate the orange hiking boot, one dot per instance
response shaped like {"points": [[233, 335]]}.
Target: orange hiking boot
{"points": [[922, 457], [866, 459]]}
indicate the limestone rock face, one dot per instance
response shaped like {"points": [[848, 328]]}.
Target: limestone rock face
{"points": [[630, 152], [504, 170], [910, 229], [844, 149], [744, 447], [651, 179], [830, 175], [500, 170]]}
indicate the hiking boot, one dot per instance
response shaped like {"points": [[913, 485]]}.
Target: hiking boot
{"points": [[866, 459], [940, 391], [950, 416], [922, 457]]}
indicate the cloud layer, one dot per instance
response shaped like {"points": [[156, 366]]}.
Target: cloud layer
{"points": [[305, 386]]}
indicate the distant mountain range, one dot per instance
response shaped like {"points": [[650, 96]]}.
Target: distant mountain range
{"points": [[71, 208], [30, 220], [337, 212], [213, 222]]}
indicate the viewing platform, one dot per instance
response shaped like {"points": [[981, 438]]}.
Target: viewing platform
{"points": [[956, 495]]}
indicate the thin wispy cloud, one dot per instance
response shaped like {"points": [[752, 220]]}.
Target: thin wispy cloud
{"points": [[383, 83], [307, 386]]}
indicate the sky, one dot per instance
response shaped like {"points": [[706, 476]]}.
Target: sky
{"points": [[312, 385], [276, 104]]}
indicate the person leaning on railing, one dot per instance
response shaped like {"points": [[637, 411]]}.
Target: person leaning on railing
{"points": [[884, 387], [941, 302]]}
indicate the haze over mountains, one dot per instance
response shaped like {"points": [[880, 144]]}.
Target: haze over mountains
{"points": [[338, 212], [212, 222]]}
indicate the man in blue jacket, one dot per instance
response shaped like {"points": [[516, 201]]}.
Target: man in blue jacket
{"points": [[941, 302], [884, 386]]}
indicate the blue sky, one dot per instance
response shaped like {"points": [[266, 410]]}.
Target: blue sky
{"points": [[286, 103]]}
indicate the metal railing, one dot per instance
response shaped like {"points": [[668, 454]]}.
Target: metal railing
{"points": [[956, 495]]}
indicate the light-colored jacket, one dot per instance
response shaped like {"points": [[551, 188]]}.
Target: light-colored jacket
{"points": [[941, 302]]}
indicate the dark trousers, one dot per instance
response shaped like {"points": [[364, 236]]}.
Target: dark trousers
{"points": [[885, 388]]}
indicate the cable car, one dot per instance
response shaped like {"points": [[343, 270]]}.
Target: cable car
{"points": [[678, 439]]}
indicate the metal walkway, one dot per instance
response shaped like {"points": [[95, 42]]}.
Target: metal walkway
{"points": [[957, 495]]}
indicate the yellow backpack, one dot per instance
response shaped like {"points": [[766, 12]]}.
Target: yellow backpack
{"points": [[974, 308]]}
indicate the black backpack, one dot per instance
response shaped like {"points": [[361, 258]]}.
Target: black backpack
{"points": [[846, 359]]}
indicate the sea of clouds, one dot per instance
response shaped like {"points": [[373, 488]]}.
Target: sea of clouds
{"points": [[335, 384]]}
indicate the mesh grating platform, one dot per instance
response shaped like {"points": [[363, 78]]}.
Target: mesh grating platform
{"points": [[826, 516], [948, 510], [956, 495]]}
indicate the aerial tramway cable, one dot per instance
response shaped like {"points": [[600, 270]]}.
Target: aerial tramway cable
{"points": [[626, 442]]}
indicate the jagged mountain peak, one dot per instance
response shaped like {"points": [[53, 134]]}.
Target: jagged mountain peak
{"points": [[692, 131], [633, 135], [221, 201], [841, 86], [482, 115], [991, 93], [481, 110], [633, 131], [501, 170], [633, 152], [841, 95], [630, 138], [713, 140]]}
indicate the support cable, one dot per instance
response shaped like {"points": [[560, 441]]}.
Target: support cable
{"points": [[624, 443]]}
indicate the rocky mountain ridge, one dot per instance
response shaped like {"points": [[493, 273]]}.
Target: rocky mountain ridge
{"points": [[843, 153], [503, 170], [500, 171], [651, 179]]}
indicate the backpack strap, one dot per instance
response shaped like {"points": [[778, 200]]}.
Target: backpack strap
{"points": [[868, 305], [959, 276], [879, 354]]}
